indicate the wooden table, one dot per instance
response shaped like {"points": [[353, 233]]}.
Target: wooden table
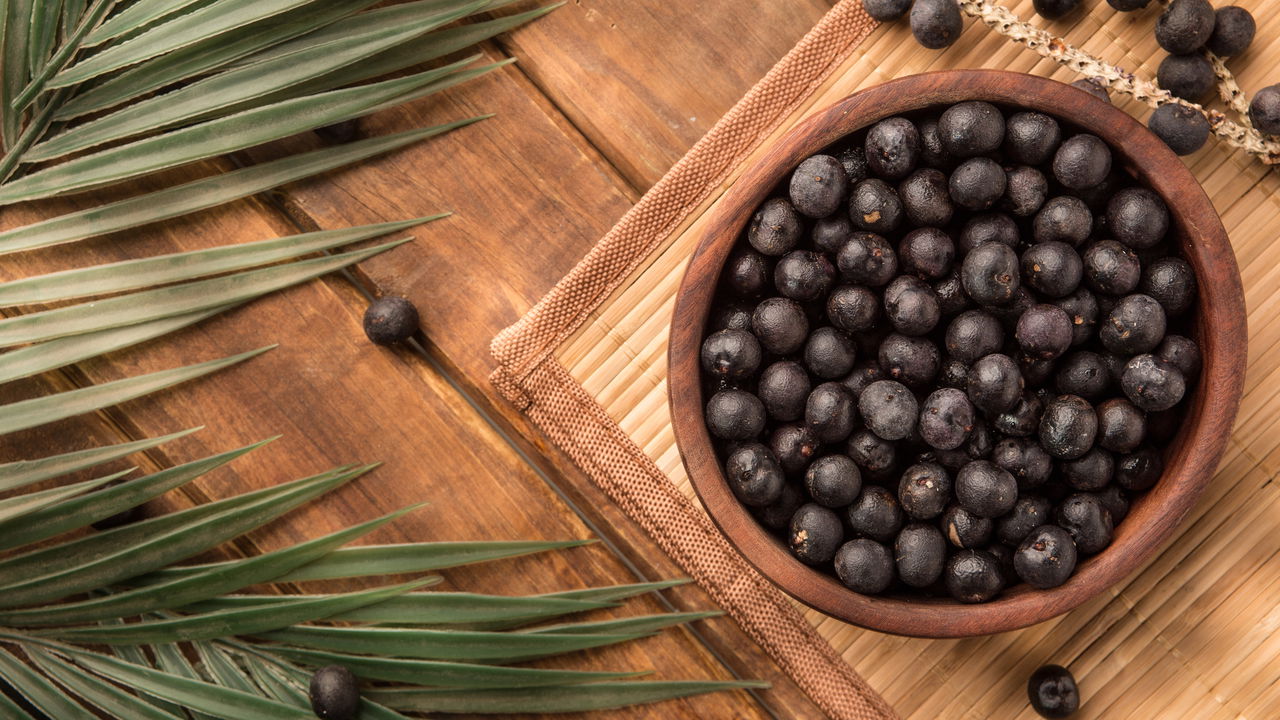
{"points": [[607, 94]]}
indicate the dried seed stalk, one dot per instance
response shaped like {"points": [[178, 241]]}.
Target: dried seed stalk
{"points": [[1045, 44]]}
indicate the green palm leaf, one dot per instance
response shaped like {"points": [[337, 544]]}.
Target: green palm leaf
{"points": [[72, 10], [51, 408], [275, 687], [435, 608], [432, 46], [102, 695], [143, 12], [237, 89], [15, 507], [475, 646], [197, 587], [77, 513], [249, 621], [74, 553], [38, 691], [448, 674], [165, 269], [178, 32], [44, 29], [419, 557], [619, 592], [169, 659], [207, 55], [641, 624], [160, 549], [14, 67], [579, 698], [206, 193], [69, 48], [54, 354], [396, 559], [176, 300], [18, 474], [188, 692], [235, 132], [182, 81], [457, 608], [10, 709], [219, 667], [138, 656]]}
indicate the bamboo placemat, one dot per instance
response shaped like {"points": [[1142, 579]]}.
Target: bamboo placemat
{"points": [[1192, 634]]}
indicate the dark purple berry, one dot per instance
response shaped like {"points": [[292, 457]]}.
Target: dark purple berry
{"points": [[1185, 26], [1152, 384], [731, 355], [972, 128], [1046, 557], [735, 415], [1185, 130], [818, 186], [784, 389], [1065, 219], [833, 481], [1068, 427], [1052, 689], [973, 576], [815, 534], [754, 475], [775, 228], [390, 320], [1233, 31], [925, 198], [864, 566], [335, 693], [867, 259], [804, 275]]}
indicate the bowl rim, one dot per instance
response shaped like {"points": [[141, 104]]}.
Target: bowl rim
{"points": [[1220, 327]]}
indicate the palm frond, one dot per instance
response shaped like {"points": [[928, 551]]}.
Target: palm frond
{"points": [[580, 698], [238, 89], [207, 56], [96, 92], [52, 408], [448, 674], [20, 505], [137, 15], [166, 269], [39, 691], [176, 32], [28, 472], [193, 588], [206, 193], [95, 691], [248, 621]]}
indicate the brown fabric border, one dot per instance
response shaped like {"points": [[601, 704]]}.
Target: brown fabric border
{"points": [[530, 377]]}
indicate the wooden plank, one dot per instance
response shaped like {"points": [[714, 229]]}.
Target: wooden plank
{"points": [[645, 80], [530, 199], [339, 399]]}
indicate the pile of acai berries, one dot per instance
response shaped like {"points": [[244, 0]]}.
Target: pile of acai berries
{"points": [[945, 355]]}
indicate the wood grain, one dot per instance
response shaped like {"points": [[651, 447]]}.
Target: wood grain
{"points": [[644, 80], [1220, 330]]}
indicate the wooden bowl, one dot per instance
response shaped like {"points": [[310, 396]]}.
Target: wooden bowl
{"points": [[1219, 327]]}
